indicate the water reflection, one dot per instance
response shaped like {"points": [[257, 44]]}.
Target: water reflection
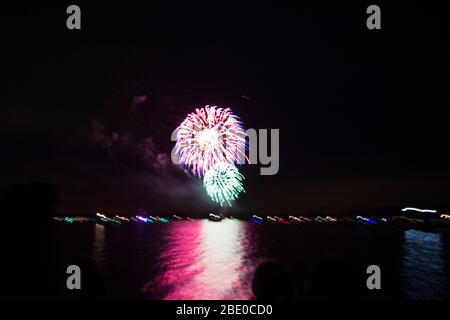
{"points": [[423, 265], [99, 245], [215, 260], [203, 260]]}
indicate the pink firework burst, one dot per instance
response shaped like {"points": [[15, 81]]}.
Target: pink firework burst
{"points": [[209, 136]]}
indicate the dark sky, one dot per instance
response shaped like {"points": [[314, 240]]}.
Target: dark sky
{"points": [[363, 115]]}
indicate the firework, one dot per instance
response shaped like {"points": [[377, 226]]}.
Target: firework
{"points": [[223, 183], [210, 136]]}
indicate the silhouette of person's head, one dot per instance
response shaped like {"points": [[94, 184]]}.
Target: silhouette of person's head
{"points": [[272, 281]]}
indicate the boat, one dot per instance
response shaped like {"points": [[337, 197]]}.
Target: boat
{"points": [[256, 220], [330, 219], [281, 220], [214, 217], [271, 219], [365, 220], [319, 219], [305, 219], [294, 220]]}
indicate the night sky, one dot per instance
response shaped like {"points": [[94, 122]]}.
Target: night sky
{"points": [[363, 114]]}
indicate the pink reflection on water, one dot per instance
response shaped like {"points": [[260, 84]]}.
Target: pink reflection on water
{"points": [[204, 260]]}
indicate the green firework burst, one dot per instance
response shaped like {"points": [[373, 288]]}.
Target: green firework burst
{"points": [[223, 183]]}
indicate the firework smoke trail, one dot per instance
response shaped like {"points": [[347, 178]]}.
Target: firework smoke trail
{"points": [[223, 183], [210, 136]]}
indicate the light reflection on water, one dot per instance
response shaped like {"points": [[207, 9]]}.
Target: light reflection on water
{"points": [[99, 245], [203, 260], [423, 265]]}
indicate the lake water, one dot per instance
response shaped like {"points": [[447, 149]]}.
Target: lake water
{"points": [[215, 260]]}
